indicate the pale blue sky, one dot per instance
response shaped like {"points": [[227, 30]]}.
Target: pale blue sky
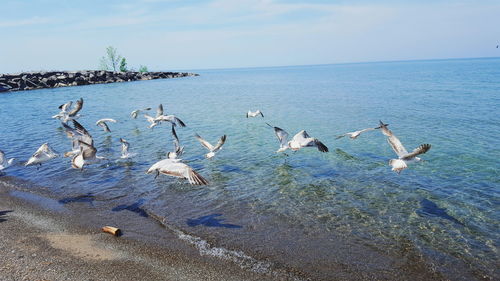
{"points": [[198, 34]]}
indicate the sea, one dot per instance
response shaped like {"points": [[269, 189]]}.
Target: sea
{"points": [[326, 216]]}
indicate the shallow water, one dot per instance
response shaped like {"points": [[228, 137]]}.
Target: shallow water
{"points": [[313, 211]]}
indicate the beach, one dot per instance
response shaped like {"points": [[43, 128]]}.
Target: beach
{"points": [[40, 244]]}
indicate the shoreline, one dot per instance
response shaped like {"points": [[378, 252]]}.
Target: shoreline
{"points": [[46, 240], [54, 79]]}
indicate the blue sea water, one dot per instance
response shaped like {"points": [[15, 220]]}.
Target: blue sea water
{"points": [[313, 211]]}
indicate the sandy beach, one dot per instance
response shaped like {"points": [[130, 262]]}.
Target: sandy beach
{"points": [[39, 243]]}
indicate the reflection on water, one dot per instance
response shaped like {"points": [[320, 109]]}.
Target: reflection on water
{"points": [[349, 192]]}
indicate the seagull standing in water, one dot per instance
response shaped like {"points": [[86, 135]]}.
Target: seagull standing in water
{"points": [[43, 154], [175, 168], [300, 140], [136, 112], [4, 163], [355, 134], [125, 147], [211, 148], [102, 123], [178, 150], [254, 114], [404, 157]]}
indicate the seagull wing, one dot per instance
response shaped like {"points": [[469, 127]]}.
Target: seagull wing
{"points": [[281, 134], [66, 106], [84, 135], [341, 136], [396, 145], [419, 150], [77, 108], [179, 121], [220, 143], [177, 146], [261, 114], [2, 157], [105, 120], [88, 151], [149, 118], [159, 110], [205, 143]]}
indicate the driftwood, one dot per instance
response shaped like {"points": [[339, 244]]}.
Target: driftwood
{"points": [[112, 230]]}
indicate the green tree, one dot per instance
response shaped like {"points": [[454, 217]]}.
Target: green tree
{"points": [[123, 65], [143, 68], [111, 60]]}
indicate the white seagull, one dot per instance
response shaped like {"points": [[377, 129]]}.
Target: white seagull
{"points": [[102, 123], [211, 148], [175, 168], [136, 112], [152, 122], [355, 134], [170, 118], [125, 147], [300, 140], [254, 114], [178, 150], [4, 163], [43, 154], [403, 156]]}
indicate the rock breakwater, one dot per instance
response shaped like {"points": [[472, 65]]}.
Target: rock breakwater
{"points": [[54, 79]]}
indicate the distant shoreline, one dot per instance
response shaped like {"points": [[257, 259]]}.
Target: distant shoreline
{"points": [[54, 79]]}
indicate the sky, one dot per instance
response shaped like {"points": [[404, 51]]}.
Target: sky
{"points": [[204, 34]]}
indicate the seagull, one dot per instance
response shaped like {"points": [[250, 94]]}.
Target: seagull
{"points": [[4, 163], [211, 148], [403, 156], [66, 115], [77, 134], [151, 120], [102, 123], [170, 118], [175, 168], [355, 134], [254, 114], [43, 154], [85, 152], [300, 140], [178, 150], [134, 113], [125, 146]]}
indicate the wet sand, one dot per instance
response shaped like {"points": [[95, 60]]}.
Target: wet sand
{"points": [[39, 243]]}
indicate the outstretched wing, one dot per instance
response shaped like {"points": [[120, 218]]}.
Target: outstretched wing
{"points": [[220, 143], [305, 140], [419, 150], [159, 110], [281, 134], [84, 135], [205, 143], [396, 145], [77, 108], [261, 114]]}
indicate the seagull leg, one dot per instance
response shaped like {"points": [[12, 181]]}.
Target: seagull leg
{"points": [[157, 174]]}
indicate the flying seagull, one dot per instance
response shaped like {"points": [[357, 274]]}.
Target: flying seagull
{"points": [[175, 168], [178, 150], [152, 122], [355, 134], [136, 112], [254, 114], [102, 123], [4, 163], [77, 134], [125, 147], [66, 115], [43, 154], [403, 156], [300, 140], [211, 148], [86, 152], [170, 118]]}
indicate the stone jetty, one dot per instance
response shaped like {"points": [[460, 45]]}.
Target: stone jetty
{"points": [[55, 79]]}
